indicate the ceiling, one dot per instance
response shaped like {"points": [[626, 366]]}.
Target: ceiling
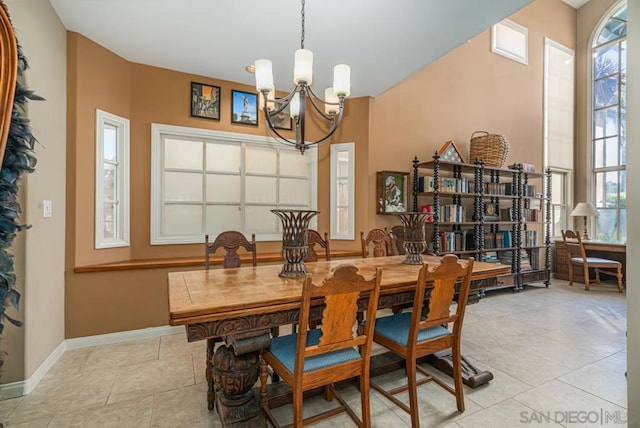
{"points": [[383, 41]]}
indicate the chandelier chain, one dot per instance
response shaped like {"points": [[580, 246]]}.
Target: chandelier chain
{"points": [[302, 37]]}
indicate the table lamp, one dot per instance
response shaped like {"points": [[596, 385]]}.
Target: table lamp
{"points": [[584, 210]]}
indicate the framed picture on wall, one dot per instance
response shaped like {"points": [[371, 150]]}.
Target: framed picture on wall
{"points": [[282, 120], [244, 107], [205, 101], [392, 192]]}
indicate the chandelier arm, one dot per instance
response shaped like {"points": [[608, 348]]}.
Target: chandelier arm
{"points": [[313, 98], [275, 134], [334, 126]]}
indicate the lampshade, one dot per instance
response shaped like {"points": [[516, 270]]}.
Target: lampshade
{"points": [[584, 209]]}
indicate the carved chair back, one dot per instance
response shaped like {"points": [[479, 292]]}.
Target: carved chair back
{"points": [[313, 239], [381, 240], [230, 240], [397, 233]]}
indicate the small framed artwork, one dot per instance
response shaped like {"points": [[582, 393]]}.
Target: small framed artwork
{"points": [[392, 192], [205, 101], [244, 107], [282, 120]]}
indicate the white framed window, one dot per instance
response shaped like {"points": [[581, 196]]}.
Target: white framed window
{"points": [[112, 181], [510, 40], [608, 154], [207, 182], [560, 200], [343, 177]]}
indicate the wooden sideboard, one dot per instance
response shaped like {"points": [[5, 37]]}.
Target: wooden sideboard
{"points": [[605, 250]]}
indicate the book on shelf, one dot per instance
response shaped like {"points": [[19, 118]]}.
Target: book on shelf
{"points": [[530, 238], [529, 214], [506, 238], [525, 264], [452, 241], [445, 184]]}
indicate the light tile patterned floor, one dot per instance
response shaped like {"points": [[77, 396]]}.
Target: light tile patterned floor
{"points": [[558, 356]]}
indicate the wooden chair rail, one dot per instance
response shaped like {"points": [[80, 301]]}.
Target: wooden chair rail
{"points": [[190, 261]]}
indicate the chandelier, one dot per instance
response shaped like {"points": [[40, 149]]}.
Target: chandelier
{"points": [[296, 100]]}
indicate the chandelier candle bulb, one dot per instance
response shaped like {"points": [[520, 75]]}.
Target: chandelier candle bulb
{"points": [[264, 74], [295, 106], [330, 97], [342, 80], [270, 99], [303, 67]]}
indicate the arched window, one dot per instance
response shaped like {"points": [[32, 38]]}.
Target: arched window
{"points": [[608, 131]]}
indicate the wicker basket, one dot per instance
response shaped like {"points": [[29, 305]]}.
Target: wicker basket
{"points": [[491, 148]]}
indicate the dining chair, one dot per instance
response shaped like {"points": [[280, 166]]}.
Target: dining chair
{"points": [[381, 240], [578, 257], [313, 239], [231, 241], [412, 335], [397, 233], [336, 351]]}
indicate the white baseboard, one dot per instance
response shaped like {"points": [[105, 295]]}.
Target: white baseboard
{"points": [[122, 336], [17, 389]]}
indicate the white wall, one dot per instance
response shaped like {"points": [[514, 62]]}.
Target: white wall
{"points": [[43, 39], [633, 211]]}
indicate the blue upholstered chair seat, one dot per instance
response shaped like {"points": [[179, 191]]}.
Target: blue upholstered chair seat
{"points": [[598, 260], [396, 328], [284, 349]]}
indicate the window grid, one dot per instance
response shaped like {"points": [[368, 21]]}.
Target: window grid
{"points": [[608, 127], [213, 144], [112, 181], [342, 191]]}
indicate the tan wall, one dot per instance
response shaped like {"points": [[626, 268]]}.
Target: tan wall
{"points": [[469, 89], [40, 257]]}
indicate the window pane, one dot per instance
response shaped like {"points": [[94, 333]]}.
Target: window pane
{"points": [[182, 220], [606, 61], [606, 152], [557, 186], [260, 190], [110, 142], [343, 164], [343, 220], [605, 123], [623, 58], [182, 186], [223, 188], [606, 91], [109, 182], [607, 189], [293, 163], [224, 157], [343, 192], [260, 161], [606, 225], [223, 217], [109, 221], [623, 189], [294, 192], [623, 226], [557, 219], [183, 154], [260, 219]]}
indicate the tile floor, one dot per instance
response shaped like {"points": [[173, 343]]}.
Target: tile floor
{"points": [[558, 356]]}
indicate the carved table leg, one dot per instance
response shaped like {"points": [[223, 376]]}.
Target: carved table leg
{"points": [[471, 375], [211, 392], [235, 371]]}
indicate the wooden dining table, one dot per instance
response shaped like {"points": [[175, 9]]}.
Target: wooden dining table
{"points": [[241, 306]]}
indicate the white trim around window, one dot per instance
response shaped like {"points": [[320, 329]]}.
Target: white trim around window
{"points": [[205, 182], [112, 181], [510, 40], [343, 178]]}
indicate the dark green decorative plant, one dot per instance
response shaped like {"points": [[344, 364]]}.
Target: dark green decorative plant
{"points": [[18, 159]]}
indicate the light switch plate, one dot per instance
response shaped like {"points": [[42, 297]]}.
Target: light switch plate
{"points": [[47, 209]]}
